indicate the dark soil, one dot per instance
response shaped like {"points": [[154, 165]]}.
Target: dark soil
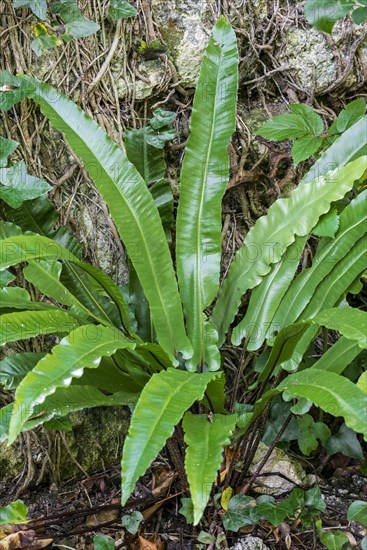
{"points": [[73, 513]]}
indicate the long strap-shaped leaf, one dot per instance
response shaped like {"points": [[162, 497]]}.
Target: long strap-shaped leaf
{"points": [[148, 160], [63, 402], [132, 209], [13, 297], [204, 177], [27, 324], [327, 294], [330, 267], [333, 393], [14, 368], [350, 322], [82, 348], [339, 356], [206, 441], [273, 233], [14, 250], [266, 297], [162, 404]]}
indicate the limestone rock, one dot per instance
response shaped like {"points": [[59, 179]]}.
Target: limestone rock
{"points": [[94, 443], [278, 462], [152, 72], [249, 543], [307, 51], [94, 231], [185, 27]]}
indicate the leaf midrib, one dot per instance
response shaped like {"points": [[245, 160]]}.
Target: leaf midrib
{"points": [[199, 262], [65, 370], [170, 396], [129, 208], [281, 228]]}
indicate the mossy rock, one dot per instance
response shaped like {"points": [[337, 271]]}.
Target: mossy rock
{"points": [[94, 443]]}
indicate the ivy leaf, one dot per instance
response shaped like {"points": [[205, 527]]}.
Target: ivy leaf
{"points": [[159, 139], [310, 433], [7, 147], [348, 116], [162, 118], [12, 90], [67, 9], [359, 15], [323, 14], [39, 7], [19, 186], [274, 512], [357, 511], [14, 513], [313, 499], [76, 25], [187, 510], [239, 513], [120, 9], [296, 499], [345, 441], [205, 538], [304, 147], [312, 120], [328, 224], [80, 28], [132, 521], [333, 540], [102, 542], [44, 40], [283, 127]]}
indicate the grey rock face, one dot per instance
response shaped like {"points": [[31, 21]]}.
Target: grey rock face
{"points": [[307, 51], [279, 462], [250, 543], [185, 26], [94, 443]]}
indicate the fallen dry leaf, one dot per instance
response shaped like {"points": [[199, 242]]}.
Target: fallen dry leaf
{"points": [[22, 539], [102, 517], [152, 544], [165, 484], [146, 544], [351, 539], [149, 512]]}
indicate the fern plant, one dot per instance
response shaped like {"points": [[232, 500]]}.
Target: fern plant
{"points": [[167, 357]]}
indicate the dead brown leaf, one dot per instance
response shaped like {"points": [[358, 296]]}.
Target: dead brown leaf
{"points": [[22, 539], [165, 483], [102, 517], [351, 539], [154, 543]]}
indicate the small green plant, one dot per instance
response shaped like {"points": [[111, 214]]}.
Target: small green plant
{"points": [[306, 128], [49, 33], [323, 14], [157, 343], [301, 506], [14, 513]]}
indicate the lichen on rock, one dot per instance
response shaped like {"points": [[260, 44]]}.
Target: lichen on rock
{"points": [[278, 463], [185, 27], [307, 51], [153, 72]]}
